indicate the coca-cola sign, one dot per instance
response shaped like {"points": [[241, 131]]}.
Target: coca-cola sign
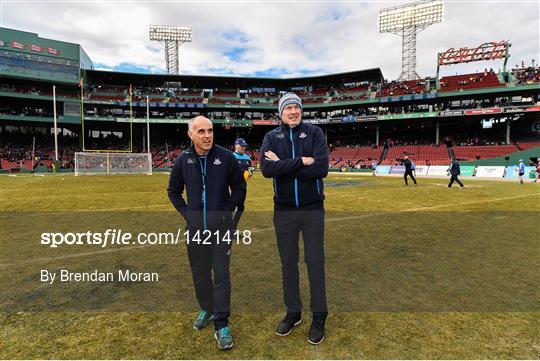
{"points": [[486, 51]]}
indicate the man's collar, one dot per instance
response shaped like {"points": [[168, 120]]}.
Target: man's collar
{"points": [[287, 127], [192, 148]]}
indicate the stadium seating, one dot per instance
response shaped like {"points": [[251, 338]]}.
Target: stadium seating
{"points": [[485, 151], [5, 164], [223, 101], [355, 89], [313, 100], [350, 156], [191, 92], [112, 89], [422, 154], [528, 144], [354, 155], [301, 93], [469, 81], [402, 88], [254, 156], [320, 92], [225, 94], [528, 75], [349, 97], [107, 97], [40, 90], [185, 100]]}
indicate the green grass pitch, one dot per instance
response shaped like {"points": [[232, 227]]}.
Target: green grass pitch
{"points": [[423, 273]]}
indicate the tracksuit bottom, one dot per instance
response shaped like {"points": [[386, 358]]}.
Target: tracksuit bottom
{"points": [[213, 295], [410, 174], [289, 222], [454, 178]]}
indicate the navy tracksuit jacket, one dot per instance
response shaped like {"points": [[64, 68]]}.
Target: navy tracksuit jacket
{"points": [[209, 200], [214, 187], [298, 199], [294, 184]]}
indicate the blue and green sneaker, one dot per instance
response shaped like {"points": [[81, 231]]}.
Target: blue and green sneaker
{"points": [[202, 320], [224, 338]]}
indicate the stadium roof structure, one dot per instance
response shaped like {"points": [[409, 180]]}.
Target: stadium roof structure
{"points": [[230, 82], [30, 43]]}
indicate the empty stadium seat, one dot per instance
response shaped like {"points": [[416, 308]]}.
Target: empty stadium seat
{"points": [[422, 154], [356, 155], [485, 151]]}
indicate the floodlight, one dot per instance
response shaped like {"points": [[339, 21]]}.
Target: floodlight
{"points": [[172, 37], [406, 21]]}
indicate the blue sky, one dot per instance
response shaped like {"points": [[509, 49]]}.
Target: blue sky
{"points": [[274, 39]]}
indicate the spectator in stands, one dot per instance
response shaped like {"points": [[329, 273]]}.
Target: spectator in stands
{"points": [[214, 187], [408, 171], [455, 171]]}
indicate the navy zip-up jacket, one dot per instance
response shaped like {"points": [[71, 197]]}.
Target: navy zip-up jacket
{"points": [[454, 168], [296, 185], [214, 186]]}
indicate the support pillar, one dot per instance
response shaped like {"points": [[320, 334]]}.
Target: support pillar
{"points": [[437, 133]]}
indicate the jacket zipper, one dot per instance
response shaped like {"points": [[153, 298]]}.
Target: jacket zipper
{"points": [[295, 179], [203, 174]]}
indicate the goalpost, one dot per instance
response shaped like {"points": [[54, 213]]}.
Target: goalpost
{"points": [[112, 163], [117, 161]]}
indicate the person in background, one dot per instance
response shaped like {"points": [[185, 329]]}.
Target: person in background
{"points": [[454, 171], [245, 163], [408, 171], [521, 171]]}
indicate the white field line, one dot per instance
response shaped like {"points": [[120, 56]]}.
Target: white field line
{"points": [[262, 230]]}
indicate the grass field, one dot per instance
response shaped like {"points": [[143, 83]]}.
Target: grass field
{"points": [[426, 272]]}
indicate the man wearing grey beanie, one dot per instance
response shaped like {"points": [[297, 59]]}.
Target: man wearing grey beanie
{"points": [[295, 155]]}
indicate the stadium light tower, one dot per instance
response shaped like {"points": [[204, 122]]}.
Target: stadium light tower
{"points": [[172, 37], [407, 21]]}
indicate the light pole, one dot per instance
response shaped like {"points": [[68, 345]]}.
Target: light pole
{"points": [[171, 37], [407, 21]]}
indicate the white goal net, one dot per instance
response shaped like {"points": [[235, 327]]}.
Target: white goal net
{"points": [[112, 163]]}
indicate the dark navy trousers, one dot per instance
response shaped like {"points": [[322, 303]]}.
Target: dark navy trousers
{"points": [[289, 222]]}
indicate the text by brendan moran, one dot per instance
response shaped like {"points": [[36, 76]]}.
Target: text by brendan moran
{"points": [[97, 276]]}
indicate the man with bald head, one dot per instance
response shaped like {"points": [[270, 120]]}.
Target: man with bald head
{"points": [[215, 187]]}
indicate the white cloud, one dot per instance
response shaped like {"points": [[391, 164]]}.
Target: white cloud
{"points": [[292, 38]]}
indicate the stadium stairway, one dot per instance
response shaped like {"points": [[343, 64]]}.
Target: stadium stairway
{"points": [[451, 153], [384, 154]]}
